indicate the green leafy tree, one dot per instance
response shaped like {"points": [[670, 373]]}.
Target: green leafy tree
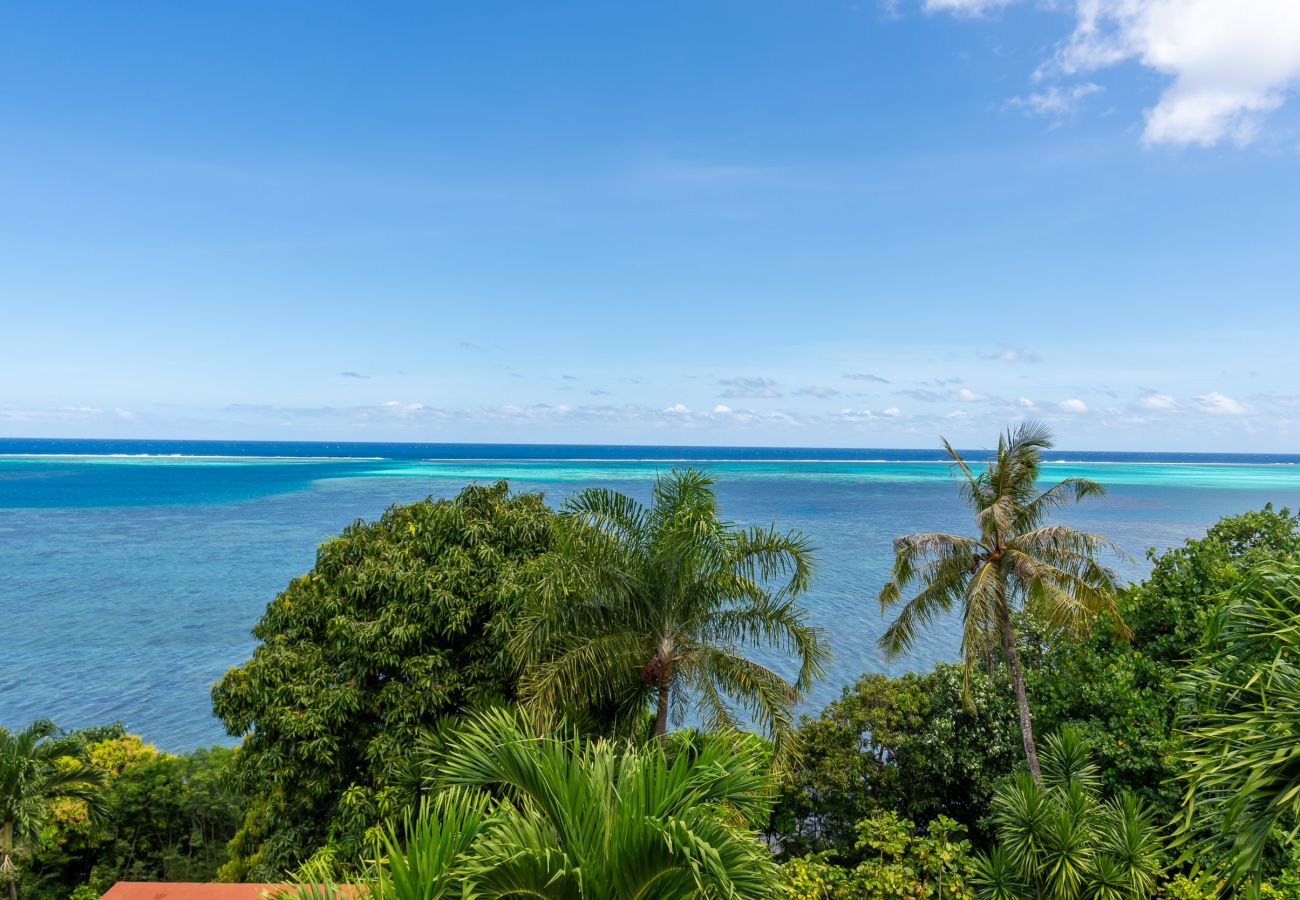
{"points": [[1017, 561], [852, 762], [919, 745], [170, 817], [639, 607], [1061, 840], [38, 767], [400, 622], [1242, 755]]}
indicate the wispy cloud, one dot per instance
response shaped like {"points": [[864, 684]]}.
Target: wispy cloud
{"points": [[867, 376], [1055, 101], [745, 387], [353, 375], [814, 390], [923, 394], [969, 8], [1218, 404], [1157, 402]]}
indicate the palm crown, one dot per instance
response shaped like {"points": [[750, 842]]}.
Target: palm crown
{"points": [[638, 606], [1016, 560], [37, 766]]}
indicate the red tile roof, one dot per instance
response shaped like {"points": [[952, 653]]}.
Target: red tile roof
{"points": [[187, 890]]}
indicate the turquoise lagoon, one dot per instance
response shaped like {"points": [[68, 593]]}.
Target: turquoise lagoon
{"points": [[131, 572]]}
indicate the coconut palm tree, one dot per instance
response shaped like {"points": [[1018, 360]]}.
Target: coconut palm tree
{"points": [[37, 767], [639, 608], [1017, 560], [1242, 721]]}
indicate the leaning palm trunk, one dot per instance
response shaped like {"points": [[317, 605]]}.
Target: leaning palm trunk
{"points": [[1017, 561], [1022, 701]]}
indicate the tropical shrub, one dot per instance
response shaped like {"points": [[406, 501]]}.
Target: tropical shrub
{"points": [[523, 812], [898, 861], [400, 622], [1242, 755], [1062, 839]]}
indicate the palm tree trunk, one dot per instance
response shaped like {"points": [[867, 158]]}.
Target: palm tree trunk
{"points": [[7, 868], [661, 713], [1022, 702]]}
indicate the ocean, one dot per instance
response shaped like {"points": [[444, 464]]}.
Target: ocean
{"points": [[131, 572]]}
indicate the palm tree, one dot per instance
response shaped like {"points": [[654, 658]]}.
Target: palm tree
{"points": [[520, 813], [641, 607], [1017, 561], [36, 767], [1242, 721], [604, 819]]}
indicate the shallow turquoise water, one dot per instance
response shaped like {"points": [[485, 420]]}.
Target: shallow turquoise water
{"points": [[129, 584]]}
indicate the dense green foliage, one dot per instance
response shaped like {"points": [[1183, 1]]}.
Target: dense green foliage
{"points": [[400, 622], [1124, 694], [382, 739], [646, 607], [910, 745], [154, 817], [1242, 755], [1018, 562]]}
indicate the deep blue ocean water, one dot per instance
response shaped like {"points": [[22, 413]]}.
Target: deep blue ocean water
{"points": [[131, 572]]}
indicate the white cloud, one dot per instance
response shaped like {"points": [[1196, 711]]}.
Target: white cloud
{"points": [[892, 412], [1053, 102], [1158, 402], [1026, 402], [1074, 406], [1230, 61], [720, 409], [1217, 404], [678, 409], [966, 395]]}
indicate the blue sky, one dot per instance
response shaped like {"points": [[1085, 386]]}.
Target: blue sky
{"points": [[787, 223]]}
